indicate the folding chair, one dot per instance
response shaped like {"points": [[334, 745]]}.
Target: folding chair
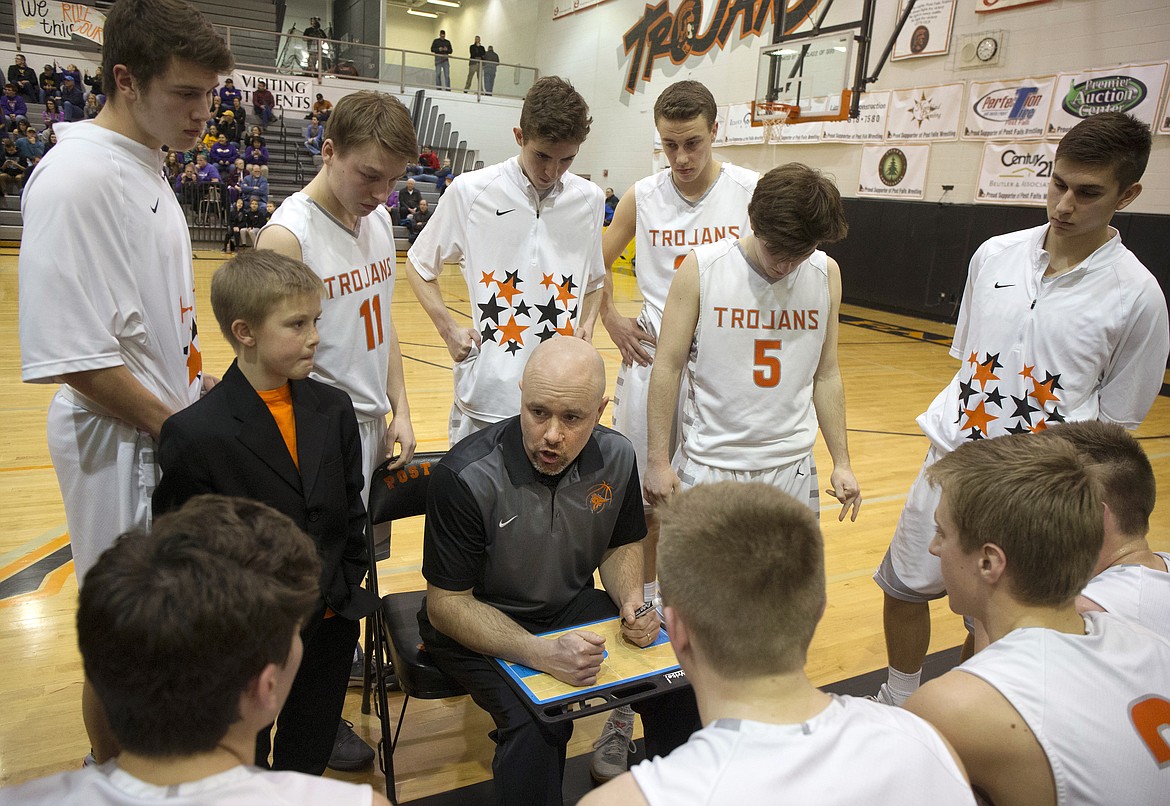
{"points": [[395, 494]]}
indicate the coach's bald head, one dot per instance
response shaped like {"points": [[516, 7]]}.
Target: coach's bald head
{"points": [[562, 396]]}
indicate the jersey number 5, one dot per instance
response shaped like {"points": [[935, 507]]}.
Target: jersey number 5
{"points": [[1151, 716], [767, 372], [371, 311]]}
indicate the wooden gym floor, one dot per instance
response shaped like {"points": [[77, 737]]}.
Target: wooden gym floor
{"points": [[893, 367]]}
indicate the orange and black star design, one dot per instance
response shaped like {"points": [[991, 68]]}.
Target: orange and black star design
{"points": [[506, 317], [984, 409]]}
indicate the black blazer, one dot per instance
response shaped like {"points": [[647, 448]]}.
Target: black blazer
{"points": [[228, 443]]}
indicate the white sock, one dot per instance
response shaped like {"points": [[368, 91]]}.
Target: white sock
{"points": [[649, 591], [902, 685]]}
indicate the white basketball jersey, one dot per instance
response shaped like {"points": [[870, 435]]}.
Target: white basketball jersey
{"points": [[357, 267], [852, 752], [1135, 593], [108, 785], [757, 345], [669, 226], [1097, 703]]}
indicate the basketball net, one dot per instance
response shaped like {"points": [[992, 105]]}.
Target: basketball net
{"points": [[780, 115]]}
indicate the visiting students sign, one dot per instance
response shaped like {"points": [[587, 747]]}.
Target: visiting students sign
{"points": [[292, 93]]}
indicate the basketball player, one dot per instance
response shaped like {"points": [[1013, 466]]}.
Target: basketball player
{"points": [[109, 311], [1129, 579], [1059, 322], [762, 366], [1061, 708], [527, 234], [699, 200], [770, 735], [340, 227]]}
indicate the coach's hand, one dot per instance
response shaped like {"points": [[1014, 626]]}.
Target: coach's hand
{"points": [[846, 490], [575, 657], [660, 484], [629, 338], [641, 631], [460, 341]]}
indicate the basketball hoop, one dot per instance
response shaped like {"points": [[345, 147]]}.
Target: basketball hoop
{"points": [[774, 116]]}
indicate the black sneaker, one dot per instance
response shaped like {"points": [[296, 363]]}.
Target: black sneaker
{"points": [[349, 751]]}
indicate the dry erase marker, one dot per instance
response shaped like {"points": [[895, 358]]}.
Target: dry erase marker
{"points": [[643, 610]]}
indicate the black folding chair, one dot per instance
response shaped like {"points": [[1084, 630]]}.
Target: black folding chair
{"points": [[393, 628]]}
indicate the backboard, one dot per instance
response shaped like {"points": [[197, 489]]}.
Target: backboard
{"points": [[805, 79]]}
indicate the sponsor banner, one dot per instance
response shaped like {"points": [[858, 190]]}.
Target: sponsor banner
{"points": [[736, 126], [1008, 110], [292, 93], [52, 20], [990, 6], [868, 127], [893, 172], [1015, 173], [927, 31], [798, 133], [1136, 89], [925, 113], [563, 8]]}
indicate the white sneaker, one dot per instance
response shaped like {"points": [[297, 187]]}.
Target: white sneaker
{"points": [[884, 696], [612, 748]]}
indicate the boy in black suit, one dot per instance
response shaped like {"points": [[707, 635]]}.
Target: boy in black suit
{"points": [[270, 433]]}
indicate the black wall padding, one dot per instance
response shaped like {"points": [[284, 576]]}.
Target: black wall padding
{"points": [[911, 257]]}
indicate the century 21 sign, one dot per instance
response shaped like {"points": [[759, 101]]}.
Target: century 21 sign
{"points": [[660, 33]]}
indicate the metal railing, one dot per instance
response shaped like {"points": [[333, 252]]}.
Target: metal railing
{"points": [[324, 59]]}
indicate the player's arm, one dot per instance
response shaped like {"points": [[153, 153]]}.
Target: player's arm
{"points": [[623, 330], [1133, 376], [400, 430], [829, 402], [1001, 756], [679, 320], [459, 340], [118, 392], [280, 239], [621, 791]]}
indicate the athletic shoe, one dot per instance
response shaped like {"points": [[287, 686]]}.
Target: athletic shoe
{"points": [[612, 748], [884, 696], [89, 760], [349, 751]]}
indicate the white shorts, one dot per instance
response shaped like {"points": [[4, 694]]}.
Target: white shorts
{"points": [[107, 472], [461, 424], [798, 479], [909, 571], [630, 398], [373, 436]]}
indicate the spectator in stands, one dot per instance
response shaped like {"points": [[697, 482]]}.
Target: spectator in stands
{"points": [[322, 108], [240, 115], [254, 186], [442, 49], [263, 104], [314, 136], [228, 92], [443, 172], [51, 114], [173, 165], [187, 185], [51, 141], [216, 110], [207, 173], [255, 216], [94, 83], [195, 150], [229, 126], [48, 82], [21, 127], [446, 183], [211, 136], [31, 148], [93, 105], [12, 169], [270, 208], [419, 220], [72, 99], [231, 241], [491, 60], [25, 80], [477, 53], [257, 132], [223, 154], [611, 203], [69, 71], [13, 107], [408, 201], [429, 160], [46, 133], [257, 155], [313, 36], [392, 206]]}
